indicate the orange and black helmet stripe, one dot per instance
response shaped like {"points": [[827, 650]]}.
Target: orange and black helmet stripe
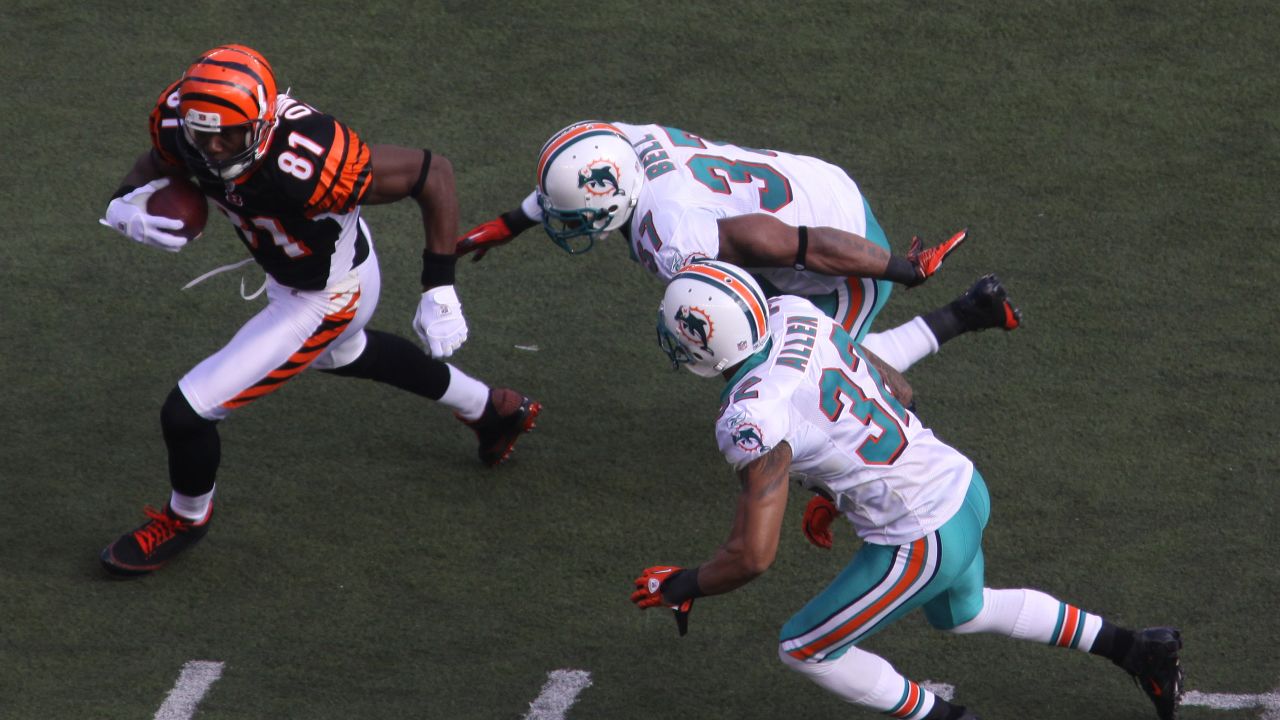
{"points": [[232, 80]]}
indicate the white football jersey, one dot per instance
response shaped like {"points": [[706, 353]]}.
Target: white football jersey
{"points": [[690, 183], [889, 475]]}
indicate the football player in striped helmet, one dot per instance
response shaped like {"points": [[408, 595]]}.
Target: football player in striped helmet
{"points": [[292, 180], [803, 401]]}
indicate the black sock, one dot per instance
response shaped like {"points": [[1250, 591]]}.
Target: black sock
{"points": [[397, 362], [943, 710], [195, 450], [945, 323], [1113, 642]]}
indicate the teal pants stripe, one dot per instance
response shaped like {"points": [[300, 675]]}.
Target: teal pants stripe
{"points": [[952, 597]]}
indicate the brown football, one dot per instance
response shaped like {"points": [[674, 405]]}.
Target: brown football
{"points": [[181, 200]]}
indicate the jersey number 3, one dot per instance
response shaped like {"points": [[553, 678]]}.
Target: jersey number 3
{"points": [[836, 387], [717, 172]]}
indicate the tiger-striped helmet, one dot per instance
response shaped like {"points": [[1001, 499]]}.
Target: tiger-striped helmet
{"points": [[713, 316], [226, 91]]}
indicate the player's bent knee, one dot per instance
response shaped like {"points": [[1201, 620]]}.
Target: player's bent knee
{"points": [[800, 666], [177, 417], [343, 354], [855, 676]]}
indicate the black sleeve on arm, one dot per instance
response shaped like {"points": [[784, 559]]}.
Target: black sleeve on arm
{"points": [[421, 182], [902, 272], [804, 247], [683, 586], [517, 222], [437, 269]]}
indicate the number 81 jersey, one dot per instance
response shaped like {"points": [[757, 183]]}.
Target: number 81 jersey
{"points": [[813, 388], [691, 183], [297, 210]]}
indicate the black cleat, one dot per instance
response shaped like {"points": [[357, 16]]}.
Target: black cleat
{"points": [[507, 415], [986, 305], [1154, 664], [154, 543]]}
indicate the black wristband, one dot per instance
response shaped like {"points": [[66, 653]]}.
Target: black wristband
{"points": [[804, 247], [437, 269], [517, 222], [421, 182], [902, 272], [682, 586], [123, 190]]}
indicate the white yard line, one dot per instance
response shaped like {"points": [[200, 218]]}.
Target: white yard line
{"points": [[194, 681], [1268, 702], [558, 694]]}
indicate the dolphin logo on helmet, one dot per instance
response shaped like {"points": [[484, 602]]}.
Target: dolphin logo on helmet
{"points": [[589, 181], [731, 304]]}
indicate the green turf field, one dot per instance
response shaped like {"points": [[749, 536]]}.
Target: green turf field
{"points": [[1116, 162]]}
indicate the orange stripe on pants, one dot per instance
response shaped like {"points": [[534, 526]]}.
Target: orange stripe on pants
{"points": [[915, 567]]}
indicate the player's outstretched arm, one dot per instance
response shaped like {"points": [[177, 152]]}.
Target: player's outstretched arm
{"points": [[749, 551], [761, 240], [757, 525], [398, 173], [498, 231]]}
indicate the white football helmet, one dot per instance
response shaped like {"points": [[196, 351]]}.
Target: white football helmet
{"points": [[589, 180], [713, 316]]}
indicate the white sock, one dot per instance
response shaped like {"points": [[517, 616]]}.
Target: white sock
{"points": [[904, 345], [862, 678], [195, 509], [465, 395], [1033, 615]]}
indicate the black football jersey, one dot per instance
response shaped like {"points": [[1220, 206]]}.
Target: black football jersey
{"points": [[297, 210]]}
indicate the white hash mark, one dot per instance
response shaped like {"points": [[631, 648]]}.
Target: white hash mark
{"points": [[558, 694], [942, 690], [193, 683]]}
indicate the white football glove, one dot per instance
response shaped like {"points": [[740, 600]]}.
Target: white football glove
{"points": [[128, 215], [439, 321]]}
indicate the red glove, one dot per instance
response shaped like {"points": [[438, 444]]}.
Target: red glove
{"points": [[818, 515], [648, 593], [483, 238], [928, 262]]}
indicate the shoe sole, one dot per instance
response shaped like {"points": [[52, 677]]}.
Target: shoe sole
{"points": [[124, 571]]}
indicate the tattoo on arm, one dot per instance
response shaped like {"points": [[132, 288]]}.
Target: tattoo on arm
{"points": [[772, 467]]}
